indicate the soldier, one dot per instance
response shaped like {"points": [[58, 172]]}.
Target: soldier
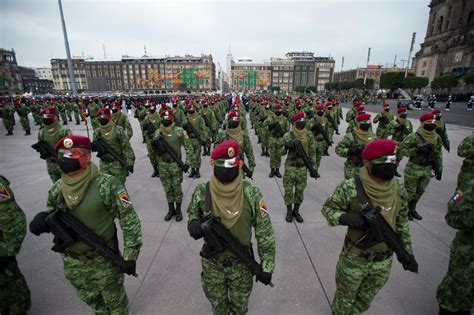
{"points": [[51, 132], [466, 151], [234, 132], [150, 123], [95, 199], [448, 103], [8, 113], [455, 293], [319, 126], [14, 292], [120, 119], [352, 124], [399, 129], [262, 131], [76, 109], [93, 107], [353, 143], [196, 129], [171, 175], [178, 114], [424, 151], [441, 129], [277, 126], [118, 140], [384, 119], [61, 109], [211, 123], [338, 110], [227, 283], [352, 113], [296, 174], [23, 110], [35, 111], [68, 103], [361, 273], [140, 113], [331, 117]]}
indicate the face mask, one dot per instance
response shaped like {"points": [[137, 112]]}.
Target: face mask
{"points": [[387, 110], [226, 175], [152, 111], [166, 123], [403, 116], [48, 121], [115, 110], [278, 113], [365, 126], [204, 106], [233, 124], [430, 127], [320, 113], [103, 121], [190, 112], [438, 117], [69, 165], [300, 124], [385, 171]]}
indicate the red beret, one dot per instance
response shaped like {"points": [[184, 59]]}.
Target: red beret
{"points": [[277, 107], [297, 101], [228, 149], [320, 107], [233, 116], [360, 108], [379, 148], [104, 112], [436, 112], [386, 105], [190, 106], [328, 104], [357, 103], [362, 117], [74, 141], [48, 111], [167, 115], [427, 116], [298, 116], [402, 110]]}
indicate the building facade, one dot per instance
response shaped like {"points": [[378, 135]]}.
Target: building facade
{"points": [[250, 76], [282, 73], [60, 72], [374, 72], [44, 73], [10, 77], [448, 47]]}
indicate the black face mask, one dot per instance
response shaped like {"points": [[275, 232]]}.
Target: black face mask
{"points": [[166, 123], [152, 111], [115, 110], [403, 116], [385, 171], [300, 125], [278, 113], [226, 175], [430, 127], [69, 165], [365, 126], [438, 117], [387, 110], [48, 121], [204, 106], [233, 124], [190, 112], [320, 113], [103, 121]]}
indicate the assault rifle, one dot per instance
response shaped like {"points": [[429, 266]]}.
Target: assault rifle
{"points": [[102, 148], [162, 147], [45, 150], [277, 128], [306, 160], [332, 122], [318, 130], [191, 130], [430, 156]]}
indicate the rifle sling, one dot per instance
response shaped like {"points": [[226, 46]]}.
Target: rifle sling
{"points": [[361, 196], [207, 200]]}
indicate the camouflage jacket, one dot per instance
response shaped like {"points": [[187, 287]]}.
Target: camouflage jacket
{"points": [[292, 156], [260, 221], [121, 120], [460, 215], [246, 147], [12, 221], [342, 148], [408, 148], [116, 199], [397, 134], [466, 148], [121, 143]]}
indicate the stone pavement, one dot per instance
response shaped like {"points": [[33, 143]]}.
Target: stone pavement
{"points": [[169, 265]]}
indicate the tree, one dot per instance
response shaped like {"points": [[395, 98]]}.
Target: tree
{"points": [[469, 78], [413, 82], [444, 82], [275, 88], [392, 80]]}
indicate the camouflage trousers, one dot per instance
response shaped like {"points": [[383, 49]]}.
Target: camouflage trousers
{"points": [[357, 283], [416, 178], [69, 115], [37, 119], [456, 291], [25, 122], [193, 154], [466, 173], [94, 123], [115, 169], [264, 137], [14, 292], [54, 171], [98, 283], [320, 148], [77, 117], [8, 123], [171, 177], [330, 132], [382, 132], [275, 147], [227, 288], [63, 117], [350, 170], [152, 154], [294, 183]]}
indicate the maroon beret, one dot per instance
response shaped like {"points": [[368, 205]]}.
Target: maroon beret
{"points": [[362, 117], [427, 116], [402, 110], [48, 111], [228, 149], [104, 112], [320, 108], [167, 115], [298, 116], [379, 148], [436, 112], [386, 105], [277, 107], [360, 108], [74, 141], [233, 116]]}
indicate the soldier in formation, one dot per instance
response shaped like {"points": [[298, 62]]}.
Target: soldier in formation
{"points": [[383, 119]]}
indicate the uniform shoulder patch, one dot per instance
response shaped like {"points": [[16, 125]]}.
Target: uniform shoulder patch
{"points": [[123, 197], [185, 135], [4, 194], [262, 205], [457, 196]]}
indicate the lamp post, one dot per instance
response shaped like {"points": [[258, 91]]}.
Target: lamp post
{"points": [[68, 52]]}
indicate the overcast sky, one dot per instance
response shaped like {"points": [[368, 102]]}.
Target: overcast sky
{"points": [[258, 30]]}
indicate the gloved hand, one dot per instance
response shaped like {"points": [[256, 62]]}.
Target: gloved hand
{"points": [[150, 129], [424, 148], [4, 262], [194, 229], [412, 265], [130, 168], [250, 174], [355, 149], [129, 267], [314, 175], [438, 175], [291, 145], [353, 220], [38, 225], [448, 147], [264, 277]]}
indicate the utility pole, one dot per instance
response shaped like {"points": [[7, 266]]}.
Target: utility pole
{"points": [[367, 67], [409, 54], [68, 53], [395, 61]]}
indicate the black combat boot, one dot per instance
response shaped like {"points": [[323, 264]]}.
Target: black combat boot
{"points": [[196, 173], [258, 140], [192, 173], [27, 132], [277, 173], [415, 214], [179, 215], [10, 133], [296, 213], [263, 152], [326, 153], [443, 311], [272, 173], [397, 174], [78, 123], [203, 151], [156, 172], [143, 140], [171, 212], [267, 153], [65, 122], [289, 214]]}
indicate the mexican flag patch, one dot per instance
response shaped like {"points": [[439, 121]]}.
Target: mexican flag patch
{"points": [[124, 198], [262, 205], [457, 196], [4, 194]]}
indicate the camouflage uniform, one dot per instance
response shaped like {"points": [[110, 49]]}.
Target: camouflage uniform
{"points": [[399, 129], [69, 110], [353, 163], [321, 144], [76, 108], [193, 146], [443, 133], [52, 167], [211, 122], [97, 281], [149, 125], [228, 285], [23, 111], [466, 151], [14, 292], [93, 109], [275, 141], [8, 117], [456, 292], [358, 280], [61, 108], [121, 144], [245, 147], [383, 130], [179, 116], [120, 119]]}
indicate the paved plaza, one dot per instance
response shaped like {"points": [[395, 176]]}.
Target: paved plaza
{"points": [[169, 268]]}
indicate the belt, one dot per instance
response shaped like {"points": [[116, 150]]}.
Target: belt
{"points": [[107, 159], [296, 164], [419, 163], [226, 262], [369, 255], [86, 256]]}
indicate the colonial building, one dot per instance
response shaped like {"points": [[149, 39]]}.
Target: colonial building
{"points": [[61, 75], [10, 77], [282, 73], [449, 43], [374, 72], [250, 76], [44, 73]]}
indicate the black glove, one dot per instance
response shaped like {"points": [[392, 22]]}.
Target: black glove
{"points": [[264, 277], [249, 174], [291, 145], [4, 262], [399, 128], [352, 220], [314, 175], [438, 175], [194, 229], [271, 126], [38, 225], [411, 265], [383, 119], [150, 129], [129, 267], [188, 128], [424, 148], [447, 147], [355, 149], [130, 168]]}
